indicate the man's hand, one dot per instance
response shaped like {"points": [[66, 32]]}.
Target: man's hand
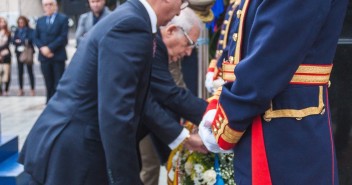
{"points": [[195, 143], [45, 50]]}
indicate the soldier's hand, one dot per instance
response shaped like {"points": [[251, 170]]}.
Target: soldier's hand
{"points": [[206, 134], [209, 82]]}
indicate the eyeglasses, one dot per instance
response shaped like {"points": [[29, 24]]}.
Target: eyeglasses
{"points": [[48, 4], [184, 4], [191, 43]]}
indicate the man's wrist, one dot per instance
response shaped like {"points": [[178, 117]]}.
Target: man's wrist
{"points": [[180, 139]]}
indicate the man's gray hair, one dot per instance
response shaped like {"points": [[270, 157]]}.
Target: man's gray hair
{"points": [[187, 20], [54, 1]]}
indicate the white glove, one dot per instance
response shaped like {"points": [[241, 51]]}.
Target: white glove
{"points": [[217, 83], [209, 81], [206, 134]]}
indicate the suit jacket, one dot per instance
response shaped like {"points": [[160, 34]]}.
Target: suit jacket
{"points": [[96, 110], [275, 113], [55, 36], [85, 23], [167, 102]]}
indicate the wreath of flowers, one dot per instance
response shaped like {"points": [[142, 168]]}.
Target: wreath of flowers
{"points": [[185, 167]]}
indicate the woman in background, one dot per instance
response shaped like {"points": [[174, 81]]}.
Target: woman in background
{"points": [[5, 56], [23, 34]]}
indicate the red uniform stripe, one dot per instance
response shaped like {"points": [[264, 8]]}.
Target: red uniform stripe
{"points": [[260, 167]]}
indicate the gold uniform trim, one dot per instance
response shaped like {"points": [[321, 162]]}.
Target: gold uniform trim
{"points": [[223, 130], [231, 136], [305, 74], [312, 74], [228, 72], [228, 77], [296, 113], [316, 69], [227, 22], [228, 67], [307, 79], [240, 32]]}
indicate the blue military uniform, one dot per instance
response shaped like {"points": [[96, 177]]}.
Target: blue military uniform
{"points": [[274, 111], [226, 30]]}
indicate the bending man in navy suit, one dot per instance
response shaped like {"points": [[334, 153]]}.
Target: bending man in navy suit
{"points": [[87, 133], [50, 37]]}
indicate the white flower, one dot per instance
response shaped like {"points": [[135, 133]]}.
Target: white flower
{"points": [[188, 167], [198, 168], [196, 181], [209, 177]]}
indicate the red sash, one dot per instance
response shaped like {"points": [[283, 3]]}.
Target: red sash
{"points": [[260, 168]]}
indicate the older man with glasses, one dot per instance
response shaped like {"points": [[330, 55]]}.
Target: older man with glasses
{"points": [[168, 102]]}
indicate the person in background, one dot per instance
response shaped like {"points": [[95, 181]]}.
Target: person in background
{"points": [[51, 38], [168, 102], [23, 35], [88, 20], [5, 57]]}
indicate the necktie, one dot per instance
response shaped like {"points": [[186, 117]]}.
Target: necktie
{"points": [[48, 20]]}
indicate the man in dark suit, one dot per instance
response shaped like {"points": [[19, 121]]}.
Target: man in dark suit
{"points": [[88, 20], [87, 132], [50, 37], [167, 101]]}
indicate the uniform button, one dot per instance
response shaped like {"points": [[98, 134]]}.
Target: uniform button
{"points": [[230, 12], [238, 13], [226, 22], [223, 32], [235, 36], [231, 59], [215, 130], [217, 124], [221, 41], [322, 111]]}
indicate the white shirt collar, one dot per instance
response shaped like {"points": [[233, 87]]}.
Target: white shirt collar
{"points": [[151, 13]]}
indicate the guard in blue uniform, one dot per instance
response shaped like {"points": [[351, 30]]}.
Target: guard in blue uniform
{"points": [[214, 74], [274, 113]]}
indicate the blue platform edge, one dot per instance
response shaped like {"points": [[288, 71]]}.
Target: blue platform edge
{"points": [[8, 147], [11, 172]]}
